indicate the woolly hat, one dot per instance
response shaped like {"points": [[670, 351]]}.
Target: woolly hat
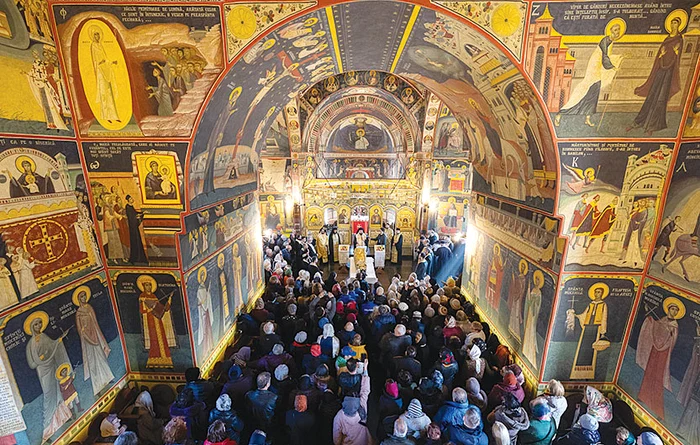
{"points": [[316, 350], [417, 315], [588, 422], [347, 351], [649, 438], [435, 299], [300, 337], [223, 403], [349, 327], [415, 409], [437, 378], [454, 304], [292, 309], [234, 372], [540, 410], [472, 386], [281, 372], [403, 307], [509, 379], [277, 349], [351, 318], [322, 322], [429, 312], [392, 388]]}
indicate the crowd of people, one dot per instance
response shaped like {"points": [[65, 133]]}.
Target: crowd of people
{"points": [[326, 361]]}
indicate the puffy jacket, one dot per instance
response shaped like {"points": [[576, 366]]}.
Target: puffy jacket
{"points": [[450, 413], [301, 427], [347, 430], [579, 436], [461, 435], [541, 432], [261, 406], [515, 420], [234, 424]]}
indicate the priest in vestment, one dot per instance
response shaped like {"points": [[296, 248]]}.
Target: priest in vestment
{"points": [[594, 326], [322, 245], [333, 243], [397, 246], [158, 333]]}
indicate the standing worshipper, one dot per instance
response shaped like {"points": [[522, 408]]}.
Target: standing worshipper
{"points": [[333, 243], [397, 247], [322, 245], [301, 423]]}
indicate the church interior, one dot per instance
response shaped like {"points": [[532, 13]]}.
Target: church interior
{"points": [[364, 222]]}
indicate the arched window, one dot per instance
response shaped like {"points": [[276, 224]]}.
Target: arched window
{"points": [[539, 61]]}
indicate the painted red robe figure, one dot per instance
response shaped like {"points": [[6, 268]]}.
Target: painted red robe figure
{"points": [[603, 225], [657, 338], [590, 215], [495, 278], [579, 212], [157, 325]]}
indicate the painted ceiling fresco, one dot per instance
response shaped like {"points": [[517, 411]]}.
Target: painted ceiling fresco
{"points": [[144, 146]]}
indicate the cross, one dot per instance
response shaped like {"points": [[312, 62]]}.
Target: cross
{"points": [[46, 241], [572, 301]]}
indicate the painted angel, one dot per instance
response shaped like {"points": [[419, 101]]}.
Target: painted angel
{"points": [[581, 178]]}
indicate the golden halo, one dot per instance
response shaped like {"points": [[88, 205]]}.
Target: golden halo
{"points": [[310, 22], [360, 132], [679, 13], [673, 301], [587, 171], [20, 159], [236, 92], [452, 200], [220, 260], [496, 249], [616, 21], [95, 29], [41, 315], [523, 263], [235, 249], [269, 43], [605, 287], [144, 278], [202, 275], [270, 199], [77, 291], [538, 276], [60, 369], [149, 161]]}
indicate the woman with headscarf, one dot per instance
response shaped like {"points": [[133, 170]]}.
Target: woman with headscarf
{"points": [[301, 423], [192, 411], [110, 428], [475, 365], [451, 329], [224, 413], [148, 428], [508, 385], [554, 395], [512, 415], [416, 420], [599, 406], [330, 345]]}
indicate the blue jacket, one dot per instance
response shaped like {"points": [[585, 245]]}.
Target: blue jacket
{"points": [[461, 435], [451, 413], [261, 406]]}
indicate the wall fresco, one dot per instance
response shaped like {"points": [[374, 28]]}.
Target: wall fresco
{"points": [[137, 192], [62, 353], [153, 320], [139, 70]]}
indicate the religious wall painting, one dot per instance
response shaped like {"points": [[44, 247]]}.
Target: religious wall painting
{"points": [[314, 217], [246, 21], [450, 141], [47, 233], [610, 213], [276, 176], [137, 196], [532, 233], [376, 216], [661, 363], [330, 215], [515, 294], [406, 219], [675, 256], [37, 103], [589, 326], [233, 127], [331, 167], [595, 88], [63, 352], [344, 213], [139, 71], [447, 215], [450, 176], [152, 314], [277, 139], [210, 229], [360, 133], [512, 150], [692, 123], [503, 20], [274, 213]]}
